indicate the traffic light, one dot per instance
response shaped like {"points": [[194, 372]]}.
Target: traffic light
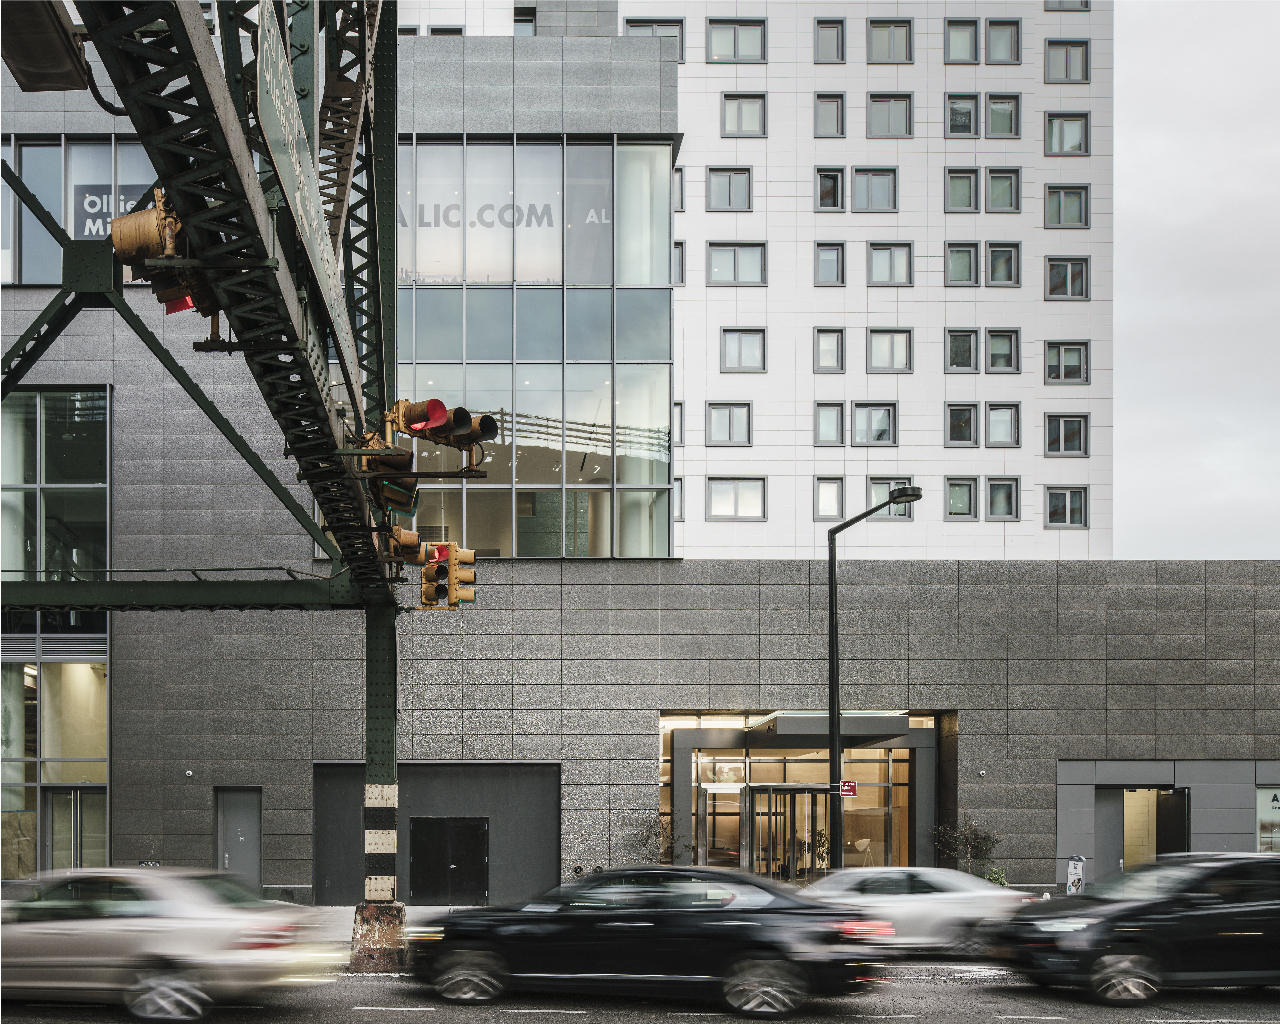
{"points": [[458, 557], [430, 420], [156, 234], [435, 575], [407, 547], [394, 493]]}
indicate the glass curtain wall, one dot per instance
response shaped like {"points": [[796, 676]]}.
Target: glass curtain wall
{"points": [[519, 299], [84, 184]]}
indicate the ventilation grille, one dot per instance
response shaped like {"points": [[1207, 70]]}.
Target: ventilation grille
{"points": [[434, 534], [88, 648], [18, 648]]}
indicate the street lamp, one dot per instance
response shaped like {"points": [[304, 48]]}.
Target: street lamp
{"points": [[835, 749]]}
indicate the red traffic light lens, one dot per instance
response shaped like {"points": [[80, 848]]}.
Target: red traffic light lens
{"points": [[441, 552], [434, 411]]}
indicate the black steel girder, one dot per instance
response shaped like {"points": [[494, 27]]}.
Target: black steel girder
{"points": [[183, 595]]}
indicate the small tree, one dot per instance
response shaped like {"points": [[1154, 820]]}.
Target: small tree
{"points": [[653, 839], [968, 843]]}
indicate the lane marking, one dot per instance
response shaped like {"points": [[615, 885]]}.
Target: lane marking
{"points": [[1012, 1017], [542, 1011], [1212, 1020], [402, 1009], [883, 1016]]}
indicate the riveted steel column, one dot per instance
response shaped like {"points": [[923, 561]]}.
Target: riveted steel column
{"points": [[385, 141]]}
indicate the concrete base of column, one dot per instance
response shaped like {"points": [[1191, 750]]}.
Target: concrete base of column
{"points": [[377, 941]]}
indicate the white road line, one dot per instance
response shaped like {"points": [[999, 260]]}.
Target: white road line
{"points": [[1012, 1017], [402, 1009], [542, 1011], [882, 1016], [1212, 1020]]}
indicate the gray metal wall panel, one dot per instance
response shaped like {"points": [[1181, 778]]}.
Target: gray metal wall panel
{"points": [[1133, 773], [1108, 834]]}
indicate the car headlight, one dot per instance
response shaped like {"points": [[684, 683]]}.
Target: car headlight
{"points": [[1066, 924]]}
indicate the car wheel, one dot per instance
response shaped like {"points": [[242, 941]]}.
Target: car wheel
{"points": [[1125, 978], [469, 976], [763, 987], [166, 995]]}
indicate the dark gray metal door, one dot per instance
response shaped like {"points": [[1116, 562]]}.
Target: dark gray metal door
{"points": [[240, 834], [449, 861], [1108, 833], [1173, 822]]}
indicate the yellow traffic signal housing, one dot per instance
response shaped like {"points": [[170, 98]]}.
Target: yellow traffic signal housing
{"points": [[435, 587], [406, 546], [458, 557]]}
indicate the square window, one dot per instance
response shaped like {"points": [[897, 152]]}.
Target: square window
{"points": [[677, 499], [889, 264], [1004, 41], [828, 499], [961, 425], [677, 423], [670, 29], [962, 352], [962, 116], [1002, 499], [742, 351], [1004, 115], [828, 41], [729, 424], [1004, 190], [875, 189], [677, 263], [960, 194], [962, 499], [1066, 134], [828, 268], [961, 42], [828, 189], [889, 116], [1066, 362], [1003, 352], [742, 116], [1066, 434], [1066, 5], [888, 351], [735, 499], [677, 189], [878, 490], [730, 42], [828, 115], [728, 189], [735, 264], [1066, 508], [1066, 206], [888, 42], [828, 423], [875, 424], [1067, 278], [1003, 428], [828, 350], [1066, 61], [962, 265], [523, 23], [1004, 265]]}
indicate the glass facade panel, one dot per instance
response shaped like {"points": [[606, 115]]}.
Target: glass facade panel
{"points": [[18, 463], [538, 323], [489, 392], [18, 833], [438, 327], [539, 425], [440, 516], [75, 532], [644, 424], [588, 422], [405, 215], [18, 735], [6, 221], [439, 219], [490, 195], [73, 710], [89, 191], [538, 215], [75, 437], [42, 173], [489, 522], [588, 255], [644, 215], [588, 319], [588, 524], [642, 524], [489, 323], [644, 324], [538, 524]]}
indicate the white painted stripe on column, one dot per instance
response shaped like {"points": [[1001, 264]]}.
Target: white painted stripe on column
{"points": [[381, 796], [380, 887], [379, 840]]}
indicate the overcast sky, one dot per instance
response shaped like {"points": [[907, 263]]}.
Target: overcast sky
{"points": [[1197, 279]]}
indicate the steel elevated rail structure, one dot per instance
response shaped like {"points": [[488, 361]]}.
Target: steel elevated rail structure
{"points": [[196, 113]]}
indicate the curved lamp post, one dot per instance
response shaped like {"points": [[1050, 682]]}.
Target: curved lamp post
{"points": [[835, 748]]}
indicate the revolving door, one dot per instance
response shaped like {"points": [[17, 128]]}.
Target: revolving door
{"points": [[788, 838]]}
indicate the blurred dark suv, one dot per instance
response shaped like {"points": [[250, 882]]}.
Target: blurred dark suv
{"points": [[1185, 921]]}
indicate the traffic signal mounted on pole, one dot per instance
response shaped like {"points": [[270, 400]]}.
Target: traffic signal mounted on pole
{"points": [[455, 428], [394, 493], [435, 575], [459, 557]]}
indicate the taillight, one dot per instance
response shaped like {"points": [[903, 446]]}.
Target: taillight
{"points": [[266, 938], [864, 929]]}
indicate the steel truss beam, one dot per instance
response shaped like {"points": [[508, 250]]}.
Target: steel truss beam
{"points": [[183, 595], [169, 80]]}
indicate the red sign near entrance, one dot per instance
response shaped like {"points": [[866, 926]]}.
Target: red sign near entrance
{"points": [[848, 789]]}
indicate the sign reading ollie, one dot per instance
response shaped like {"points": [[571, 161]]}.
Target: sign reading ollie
{"points": [[848, 789]]}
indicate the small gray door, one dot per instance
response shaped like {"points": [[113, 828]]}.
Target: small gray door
{"points": [[1108, 833], [240, 834]]}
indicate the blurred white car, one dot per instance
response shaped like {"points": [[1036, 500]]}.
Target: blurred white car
{"points": [[167, 943], [930, 908]]}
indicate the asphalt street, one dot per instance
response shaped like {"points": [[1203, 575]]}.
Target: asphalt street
{"points": [[933, 991]]}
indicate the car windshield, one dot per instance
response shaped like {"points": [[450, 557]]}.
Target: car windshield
{"points": [[220, 889], [1146, 882]]}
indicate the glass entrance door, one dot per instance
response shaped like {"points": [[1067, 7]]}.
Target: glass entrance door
{"points": [[789, 832], [75, 828]]}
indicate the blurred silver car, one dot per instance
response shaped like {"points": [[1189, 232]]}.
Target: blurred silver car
{"points": [[930, 908], [167, 943]]}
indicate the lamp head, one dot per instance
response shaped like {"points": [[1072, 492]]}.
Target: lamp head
{"points": [[905, 495]]}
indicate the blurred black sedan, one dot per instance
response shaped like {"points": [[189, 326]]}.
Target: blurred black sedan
{"points": [[759, 947], [1185, 921]]}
